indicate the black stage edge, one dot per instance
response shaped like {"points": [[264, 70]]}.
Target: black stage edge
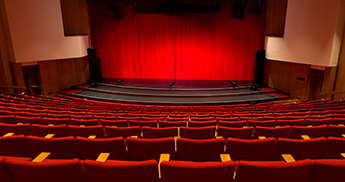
{"points": [[141, 91]]}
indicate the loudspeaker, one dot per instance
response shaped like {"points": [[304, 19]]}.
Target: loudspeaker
{"points": [[237, 9], [259, 67], [94, 66]]}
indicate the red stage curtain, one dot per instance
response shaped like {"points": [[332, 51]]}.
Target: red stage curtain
{"points": [[188, 46]]}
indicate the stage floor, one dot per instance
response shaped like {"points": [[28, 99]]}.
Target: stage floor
{"points": [[142, 91]]}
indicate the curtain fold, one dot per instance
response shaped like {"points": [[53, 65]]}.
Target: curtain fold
{"points": [[185, 46]]}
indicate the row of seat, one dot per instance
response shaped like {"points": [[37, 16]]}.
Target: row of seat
{"points": [[179, 148], [149, 121], [75, 170], [148, 131]]}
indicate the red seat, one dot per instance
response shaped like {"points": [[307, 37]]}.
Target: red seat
{"points": [[232, 123], [56, 121], [334, 146], [299, 148], [86, 131], [105, 117], [201, 118], [250, 149], [316, 122], [177, 119], [150, 118], [118, 123], [128, 118], [91, 148], [129, 171], [335, 131], [86, 122], [14, 146], [327, 170], [321, 116], [60, 147], [17, 129], [172, 123], [292, 122], [312, 132], [5, 174], [30, 120], [199, 150], [48, 170], [275, 117], [49, 115], [275, 132], [7, 119], [244, 133], [337, 121], [273, 171], [122, 131], [261, 123], [227, 119], [202, 123], [186, 171], [152, 132], [43, 130], [251, 118], [144, 149], [198, 132], [142, 123]]}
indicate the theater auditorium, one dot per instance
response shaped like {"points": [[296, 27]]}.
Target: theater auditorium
{"points": [[172, 90]]}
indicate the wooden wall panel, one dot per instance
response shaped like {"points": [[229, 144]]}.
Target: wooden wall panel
{"points": [[328, 82], [18, 76], [75, 15], [283, 76], [61, 74], [275, 17], [340, 79]]}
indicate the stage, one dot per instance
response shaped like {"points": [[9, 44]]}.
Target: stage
{"points": [[145, 91]]}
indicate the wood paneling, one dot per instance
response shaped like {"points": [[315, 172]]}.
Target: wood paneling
{"points": [[75, 15], [340, 79], [328, 81], [61, 74], [6, 51], [17, 76], [283, 76], [275, 17]]}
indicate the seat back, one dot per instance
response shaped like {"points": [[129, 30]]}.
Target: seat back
{"points": [[239, 124], [56, 121], [30, 120], [152, 123], [250, 149], [299, 148], [334, 146], [48, 170], [60, 148], [292, 122], [129, 171], [327, 170], [312, 132], [122, 131], [145, 149], [276, 132], [186, 171], [5, 174], [43, 130], [198, 132], [17, 129], [172, 123], [86, 122], [335, 131], [244, 133], [273, 171], [199, 150], [152, 132], [14, 146], [118, 123], [86, 131], [91, 148]]}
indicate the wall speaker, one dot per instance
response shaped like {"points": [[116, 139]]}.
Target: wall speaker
{"points": [[259, 67], [94, 66]]}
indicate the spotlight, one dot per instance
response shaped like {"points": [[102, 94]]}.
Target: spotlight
{"points": [[119, 82], [93, 84], [171, 84], [233, 83]]}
